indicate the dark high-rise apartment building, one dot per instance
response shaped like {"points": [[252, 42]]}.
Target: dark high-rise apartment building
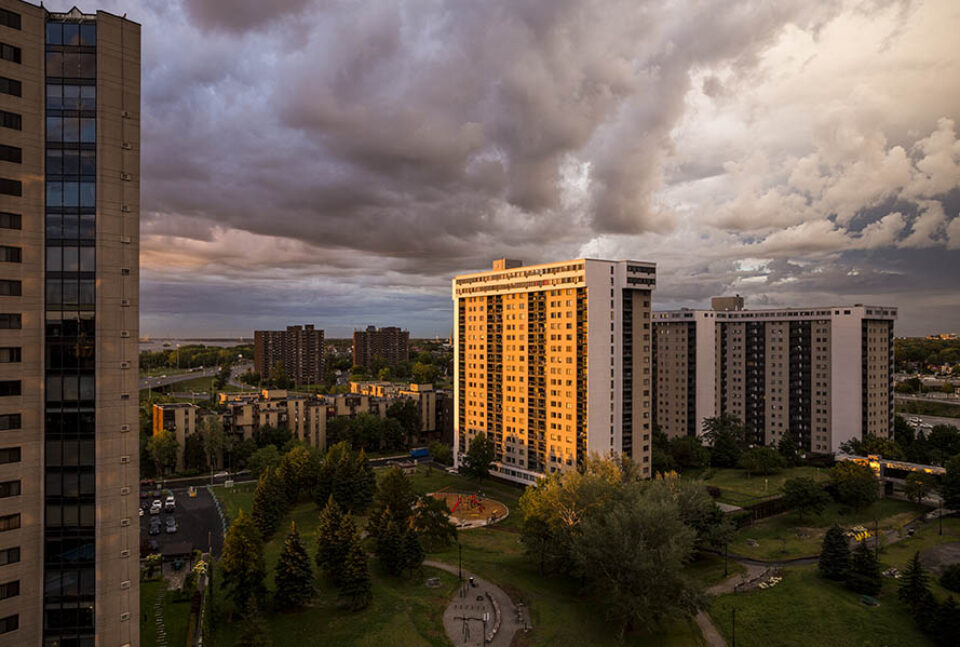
{"points": [[299, 349], [69, 238], [390, 344]]}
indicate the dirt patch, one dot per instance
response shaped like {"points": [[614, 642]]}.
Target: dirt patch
{"points": [[937, 558], [472, 510]]}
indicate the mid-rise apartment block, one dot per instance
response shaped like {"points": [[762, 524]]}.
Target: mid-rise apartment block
{"points": [[553, 363], [423, 395], [821, 375], [391, 345], [69, 289], [180, 419], [298, 349]]}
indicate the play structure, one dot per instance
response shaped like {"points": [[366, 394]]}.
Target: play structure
{"points": [[472, 510]]}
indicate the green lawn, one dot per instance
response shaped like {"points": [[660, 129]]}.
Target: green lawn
{"points": [[786, 536], [806, 610], [707, 569], [739, 488], [404, 612], [928, 408], [176, 615]]}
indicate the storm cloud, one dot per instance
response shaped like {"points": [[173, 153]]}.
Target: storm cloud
{"points": [[331, 161]]}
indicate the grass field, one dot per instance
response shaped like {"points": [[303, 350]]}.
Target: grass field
{"points": [[176, 615], [739, 488], [786, 536], [806, 609], [927, 408], [404, 612]]}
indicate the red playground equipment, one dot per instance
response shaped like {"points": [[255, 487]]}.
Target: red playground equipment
{"points": [[473, 504]]}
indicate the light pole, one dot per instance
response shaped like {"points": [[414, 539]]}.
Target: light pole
{"points": [[940, 516], [459, 559], [725, 559]]}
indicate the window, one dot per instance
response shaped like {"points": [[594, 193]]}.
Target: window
{"points": [[9, 355], [10, 120], [10, 254], [9, 19], [9, 220], [9, 454], [9, 589], [10, 421], [9, 489], [10, 321], [9, 556], [9, 53], [9, 522], [11, 154], [10, 86], [11, 187], [59, 33], [9, 288], [10, 623]]}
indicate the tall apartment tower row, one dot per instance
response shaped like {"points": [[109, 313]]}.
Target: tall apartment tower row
{"points": [[823, 374], [553, 363], [69, 265], [390, 344], [299, 349]]}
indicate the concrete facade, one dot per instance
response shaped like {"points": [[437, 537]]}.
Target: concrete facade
{"points": [[299, 349], [823, 374], [553, 363], [72, 207], [390, 344]]}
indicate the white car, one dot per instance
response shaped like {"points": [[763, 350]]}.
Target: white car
{"points": [[169, 504], [156, 506]]}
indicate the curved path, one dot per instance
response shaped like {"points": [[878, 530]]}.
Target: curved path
{"points": [[509, 624]]}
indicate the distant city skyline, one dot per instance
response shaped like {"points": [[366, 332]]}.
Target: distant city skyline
{"points": [[800, 152]]}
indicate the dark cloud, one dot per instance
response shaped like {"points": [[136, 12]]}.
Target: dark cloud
{"points": [[240, 15]]}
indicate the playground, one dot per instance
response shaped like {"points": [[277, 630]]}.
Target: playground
{"points": [[472, 510]]}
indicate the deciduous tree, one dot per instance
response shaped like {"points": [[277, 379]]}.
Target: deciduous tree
{"points": [[856, 484], [480, 453], [805, 496], [242, 561]]}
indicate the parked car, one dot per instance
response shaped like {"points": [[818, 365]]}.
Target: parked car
{"points": [[169, 504], [156, 506], [171, 525], [221, 475], [141, 511], [154, 528]]}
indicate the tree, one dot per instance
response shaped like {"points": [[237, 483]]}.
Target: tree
{"points": [[950, 578], [267, 435], [240, 450], [834, 561], [789, 447], [855, 484], [214, 439], [242, 561], [264, 459], [947, 623], [914, 589], [727, 438], [441, 452], [864, 574], [253, 628], [918, 486], [270, 503], [805, 496], [278, 376], [873, 444], [945, 442], [298, 471], [294, 576], [404, 411], [194, 457], [662, 460], [480, 453], [355, 589], [393, 502], [762, 460], [391, 434], [689, 453], [412, 551], [330, 552], [631, 551], [425, 373], [163, 448], [950, 484], [431, 521], [389, 547]]}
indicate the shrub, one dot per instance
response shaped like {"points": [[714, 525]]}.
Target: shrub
{"points": [[950, 579]]}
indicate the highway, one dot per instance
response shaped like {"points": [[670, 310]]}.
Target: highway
{"points": [[933, 421], [157, 382]]}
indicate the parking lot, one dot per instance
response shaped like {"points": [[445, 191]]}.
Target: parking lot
{"points": [[198, 523]]}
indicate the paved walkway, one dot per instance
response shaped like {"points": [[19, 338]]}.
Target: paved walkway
{"points": [[471, 602], [158, 618]]}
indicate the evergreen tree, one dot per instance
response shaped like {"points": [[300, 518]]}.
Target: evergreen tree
{"points": [[431, 520], [253, 629], [412, 552], [348, 529], [393, 502], [390, 548], [294, 576], [355, 589], [913, 584], [950, 484], [242, 561], [364, 484], [835, 554], [269, 503], [864, 574], [947, 624], [330, 520]]}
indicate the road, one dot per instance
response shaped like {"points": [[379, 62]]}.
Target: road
{"points": [[157, 382], [933, 421], [943, 398]]}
